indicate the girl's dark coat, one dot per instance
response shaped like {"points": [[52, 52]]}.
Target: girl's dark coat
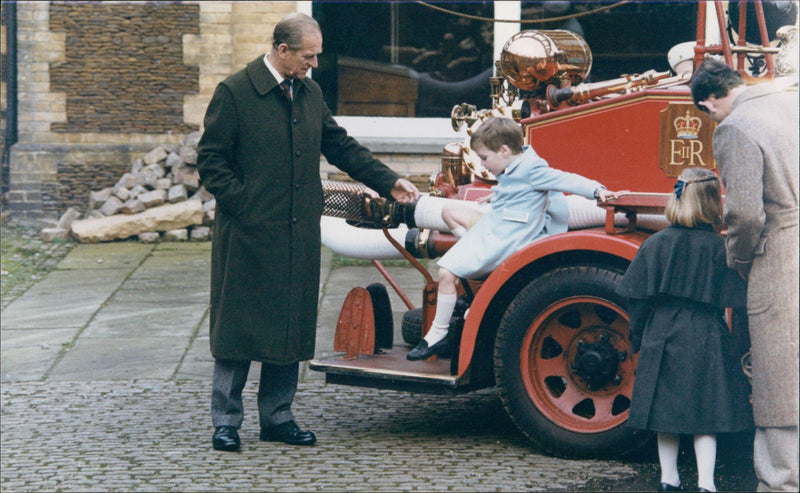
{"points": [[260, 157], [688, 378]]}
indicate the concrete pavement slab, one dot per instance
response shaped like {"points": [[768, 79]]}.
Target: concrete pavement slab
{"points": [[120, 358], [28, 354], [65, 298], [185, 289], [198, 364], [146, 319], [122, 255]]}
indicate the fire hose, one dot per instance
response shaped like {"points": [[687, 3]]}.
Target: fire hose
{"points": [[353, 217]]}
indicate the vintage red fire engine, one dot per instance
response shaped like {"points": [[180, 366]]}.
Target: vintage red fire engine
{"points": [[546, 328]]}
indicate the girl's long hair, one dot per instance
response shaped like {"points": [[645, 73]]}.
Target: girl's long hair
{"points": [[697, 199]]}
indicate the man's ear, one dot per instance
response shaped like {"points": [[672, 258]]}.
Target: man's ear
{"points": [[712, 103], [283, 50]]}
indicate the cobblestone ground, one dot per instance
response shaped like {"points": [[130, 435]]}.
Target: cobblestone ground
{"points": [[154, 436]]}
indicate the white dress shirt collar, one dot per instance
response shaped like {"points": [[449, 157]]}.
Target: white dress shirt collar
{"points": [[273, 70]]}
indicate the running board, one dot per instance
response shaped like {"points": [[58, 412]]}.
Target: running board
{"points": [[391, 370]]}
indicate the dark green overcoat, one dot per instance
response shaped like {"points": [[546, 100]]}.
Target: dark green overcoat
{"points": [[260, 157]]}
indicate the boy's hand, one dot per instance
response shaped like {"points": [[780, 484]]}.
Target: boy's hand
{"points": [[604, 195]]}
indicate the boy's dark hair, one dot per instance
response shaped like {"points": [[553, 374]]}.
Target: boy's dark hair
{"points": [[713, 78], [496, 132]]}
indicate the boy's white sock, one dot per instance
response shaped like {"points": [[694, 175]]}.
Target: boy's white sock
{"points": [[445, 304], [436, 334], [459, 232]]}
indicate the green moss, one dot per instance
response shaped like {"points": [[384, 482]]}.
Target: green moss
{"points": [[25, 258]]}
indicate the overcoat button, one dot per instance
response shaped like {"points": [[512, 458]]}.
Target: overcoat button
{"points": [[295, 121], [297, 153], [294, 220]]}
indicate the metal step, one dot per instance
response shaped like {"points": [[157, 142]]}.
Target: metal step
{"points": [[391, 370]]}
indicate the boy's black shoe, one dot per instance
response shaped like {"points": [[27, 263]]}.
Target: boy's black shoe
{"points": [[423, 351]]}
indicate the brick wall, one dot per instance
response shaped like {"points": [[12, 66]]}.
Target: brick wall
{"points": [[123, 68], [100, 84]]}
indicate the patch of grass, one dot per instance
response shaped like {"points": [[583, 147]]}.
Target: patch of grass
{"points": [[340, 260], [25, 258]]}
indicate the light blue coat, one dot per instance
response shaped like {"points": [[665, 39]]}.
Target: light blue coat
{"points": [[527, 205]]}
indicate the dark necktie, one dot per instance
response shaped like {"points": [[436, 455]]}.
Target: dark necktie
{"points": [[286, 85]]}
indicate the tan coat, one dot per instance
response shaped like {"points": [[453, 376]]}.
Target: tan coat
{"points": [[756, 149]]}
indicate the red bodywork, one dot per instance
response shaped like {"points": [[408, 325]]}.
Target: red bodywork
{"points": [[611, 141], [628, 141]]}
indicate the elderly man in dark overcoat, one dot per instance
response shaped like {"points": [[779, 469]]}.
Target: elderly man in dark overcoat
{"points": [[265, 129], [756, 149]]}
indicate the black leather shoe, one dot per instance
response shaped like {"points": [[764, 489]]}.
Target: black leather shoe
{"points": [[422, 351], [669, 487], [288, 432], [225, 438]]}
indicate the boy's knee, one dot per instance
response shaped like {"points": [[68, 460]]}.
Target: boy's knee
{"points": [[447, 212], [446, 277]]}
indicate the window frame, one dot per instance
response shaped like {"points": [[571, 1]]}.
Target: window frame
{"points": [[394, 134]]}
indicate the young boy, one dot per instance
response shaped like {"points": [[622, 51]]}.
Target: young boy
{"points": [[519, 214]]}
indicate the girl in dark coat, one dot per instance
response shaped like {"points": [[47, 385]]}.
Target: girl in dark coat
{"points": [[689, 379]]}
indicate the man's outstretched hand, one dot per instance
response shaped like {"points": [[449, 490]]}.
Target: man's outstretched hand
{"points": [[404, 191]]}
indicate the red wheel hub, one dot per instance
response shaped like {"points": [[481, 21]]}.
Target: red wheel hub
{"points": [[576, 364]]}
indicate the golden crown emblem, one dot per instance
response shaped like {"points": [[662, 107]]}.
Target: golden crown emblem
{"points": [[687, 126]]}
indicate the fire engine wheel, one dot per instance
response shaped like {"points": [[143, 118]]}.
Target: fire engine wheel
{"points": [[563, 366]]}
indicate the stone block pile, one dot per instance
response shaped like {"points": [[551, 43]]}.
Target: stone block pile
{"points": [[160, 199]]}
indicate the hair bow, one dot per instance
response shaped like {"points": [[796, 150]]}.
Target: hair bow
{"points": [[679, 189]]}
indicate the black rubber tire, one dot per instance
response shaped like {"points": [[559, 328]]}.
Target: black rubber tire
{"points": [[382, 313], [532, 304], [412, 326]]}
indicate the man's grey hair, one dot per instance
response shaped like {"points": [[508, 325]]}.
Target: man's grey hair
{"points": [[291, 29]]}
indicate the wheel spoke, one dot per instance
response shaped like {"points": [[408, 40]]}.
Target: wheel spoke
{"points": [[589, 316], [602, 406], [570, 398], [550, 367], [561, 335]]}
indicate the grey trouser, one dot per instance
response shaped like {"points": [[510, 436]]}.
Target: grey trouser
{"points": [[775, 458], [276, 391]]}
